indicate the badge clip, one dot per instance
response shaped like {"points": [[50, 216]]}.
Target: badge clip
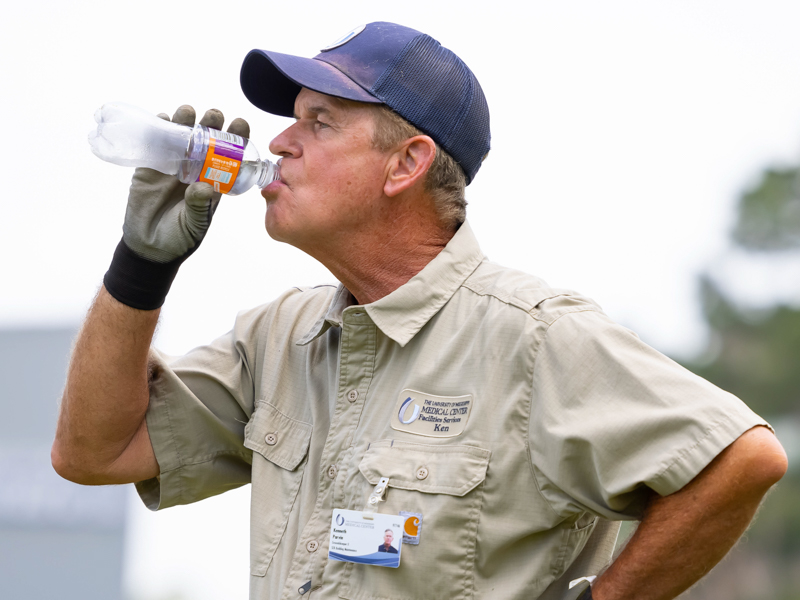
{"points": [[376, 496]]}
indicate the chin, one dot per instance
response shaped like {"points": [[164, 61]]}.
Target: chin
{"points": [[276, 229], [273, 230]]}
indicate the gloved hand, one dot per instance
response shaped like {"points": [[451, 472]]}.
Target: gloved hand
{"points": [[164, 224]]}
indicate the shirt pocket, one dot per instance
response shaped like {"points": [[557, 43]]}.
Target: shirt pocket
{"points": [[444, 484], [280, 447]]}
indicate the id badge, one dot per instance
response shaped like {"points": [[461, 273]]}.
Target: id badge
{"points": [[375, 540]]}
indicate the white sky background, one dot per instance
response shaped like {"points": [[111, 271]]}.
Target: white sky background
{"points": [[623, 132]]}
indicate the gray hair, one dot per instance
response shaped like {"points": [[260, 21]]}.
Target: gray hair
{"points": [[445, 180]]}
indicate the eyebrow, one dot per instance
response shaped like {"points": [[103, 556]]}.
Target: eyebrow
{"points": [[317, 110]]}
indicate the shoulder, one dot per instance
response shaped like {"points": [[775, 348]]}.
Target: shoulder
{"points": [[294, 300], [295, 310], [527, 293]]}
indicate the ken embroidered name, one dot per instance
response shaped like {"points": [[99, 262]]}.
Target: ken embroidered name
{"points": [[431, 415]]}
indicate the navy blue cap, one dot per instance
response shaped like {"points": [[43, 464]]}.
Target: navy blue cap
{"points": [[383, 63]]}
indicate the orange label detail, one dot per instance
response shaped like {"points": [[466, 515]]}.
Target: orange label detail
{"points": [[411, 526], [221, 165]]}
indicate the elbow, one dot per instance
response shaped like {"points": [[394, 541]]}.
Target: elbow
{"points": [[69, 468], [776, 464], [60, 464], [767, 462]]}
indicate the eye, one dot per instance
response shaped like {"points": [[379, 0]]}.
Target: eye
{"points": [[320, 124]]}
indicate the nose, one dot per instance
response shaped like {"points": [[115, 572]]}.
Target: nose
{"points": [[286, 144]]}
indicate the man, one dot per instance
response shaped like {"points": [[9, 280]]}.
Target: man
{"points": [[386, 546], [516, 419]]}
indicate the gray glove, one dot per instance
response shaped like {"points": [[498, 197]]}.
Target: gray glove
{"points": [[164, 224]]}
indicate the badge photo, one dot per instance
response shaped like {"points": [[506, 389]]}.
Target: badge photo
{"points": [[376, 540]]}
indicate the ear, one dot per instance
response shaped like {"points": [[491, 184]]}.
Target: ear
{"points": [[409, 164]]}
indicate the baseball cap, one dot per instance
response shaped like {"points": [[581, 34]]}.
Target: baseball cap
{"points": [[383, 63]]}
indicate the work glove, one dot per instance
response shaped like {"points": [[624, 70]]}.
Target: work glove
{"points": [[165, 222]]}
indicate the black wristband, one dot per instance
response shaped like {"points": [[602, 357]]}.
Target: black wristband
{"points": [[587, 594], [138, 282]]}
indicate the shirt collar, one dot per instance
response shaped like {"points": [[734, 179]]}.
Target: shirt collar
{"points": [[331, 317], [405, 311]]}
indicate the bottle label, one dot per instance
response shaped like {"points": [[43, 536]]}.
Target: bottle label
{"points": [[223, 160]]}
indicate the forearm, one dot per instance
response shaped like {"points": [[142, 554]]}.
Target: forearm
{"points": [[102, 434], [683, 535], [653, 567]]}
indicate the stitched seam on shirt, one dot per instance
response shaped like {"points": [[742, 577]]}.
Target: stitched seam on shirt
{"points": [[208, 458], [564, 312], [530, 310], [369, 376], [533, 474], [344, 352], [307, 288], [324, 285], [557, 566], [530, 400], [483, 293], [528, 443], [426, 449], [285, 416], [549, 323], [449, 490], [177, 452], [471, 554], [686, 452], [278, 537]]}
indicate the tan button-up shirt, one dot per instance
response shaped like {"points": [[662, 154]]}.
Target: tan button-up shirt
{"points": [[513, 417]]}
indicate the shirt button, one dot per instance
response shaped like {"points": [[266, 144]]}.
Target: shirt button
{"points": [[352, 395], [271, 439], [312, 546], [422, 473], [332, 471]]}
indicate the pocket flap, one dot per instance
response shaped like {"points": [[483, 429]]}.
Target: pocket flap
{"points": [[280, 439], [453, 470]]}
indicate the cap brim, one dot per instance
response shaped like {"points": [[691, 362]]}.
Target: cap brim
{"points": [[271, 81]]}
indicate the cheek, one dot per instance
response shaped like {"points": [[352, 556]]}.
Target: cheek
{"points": [[360, 181], [335, 182]]}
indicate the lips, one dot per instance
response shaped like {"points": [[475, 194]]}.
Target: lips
{"points": [[271, 190]]}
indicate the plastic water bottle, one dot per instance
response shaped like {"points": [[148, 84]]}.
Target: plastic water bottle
{"points": [[132, 137]]}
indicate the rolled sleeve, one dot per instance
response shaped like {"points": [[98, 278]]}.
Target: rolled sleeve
{"points": [[199, 406], [611, 415]]}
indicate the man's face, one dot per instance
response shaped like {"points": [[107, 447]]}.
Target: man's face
{"points": [[331, 175], [387, 538]]}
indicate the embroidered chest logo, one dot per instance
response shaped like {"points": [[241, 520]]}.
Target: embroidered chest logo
{"points": [[431, 415]]}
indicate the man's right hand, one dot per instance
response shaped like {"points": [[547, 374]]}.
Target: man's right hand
{"points": [[102, 435], [165, 222]]}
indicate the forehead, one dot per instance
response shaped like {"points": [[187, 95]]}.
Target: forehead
{"points": [[309, 101]]}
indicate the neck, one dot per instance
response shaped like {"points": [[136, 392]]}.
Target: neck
{"points": [[385, 253]]}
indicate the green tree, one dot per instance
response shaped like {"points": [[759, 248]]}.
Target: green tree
{"points": [[769, 215], [755, 354]]}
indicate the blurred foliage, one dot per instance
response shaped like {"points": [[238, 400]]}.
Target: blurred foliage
{"points": [[754, 354], [769, 215]]}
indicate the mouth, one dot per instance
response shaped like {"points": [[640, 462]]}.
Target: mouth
{"points": [[273, 188]]}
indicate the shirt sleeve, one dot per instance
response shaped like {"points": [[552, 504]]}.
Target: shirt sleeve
{"points": [[199, 406], [611, 415]]}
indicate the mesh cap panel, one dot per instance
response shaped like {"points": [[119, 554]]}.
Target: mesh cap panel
{"points": [[433, 89]]}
